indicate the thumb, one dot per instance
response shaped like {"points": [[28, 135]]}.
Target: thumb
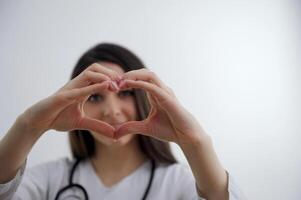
{"points": [[132, 127], [97, 126]]}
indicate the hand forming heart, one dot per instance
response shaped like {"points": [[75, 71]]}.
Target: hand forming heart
{"points": [[167, 120], [63, 111]]}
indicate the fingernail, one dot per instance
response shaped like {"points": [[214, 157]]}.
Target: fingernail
{"points": [[121, 83], [115, 85]]}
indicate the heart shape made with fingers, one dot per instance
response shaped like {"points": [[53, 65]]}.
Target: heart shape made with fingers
{"points": [[123, 92]]}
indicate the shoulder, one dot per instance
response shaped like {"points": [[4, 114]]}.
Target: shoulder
{"points": [[47, 174], [174, 169], [59, 163], [43, 179], [174, 181], [53, 169], [175, 172]]}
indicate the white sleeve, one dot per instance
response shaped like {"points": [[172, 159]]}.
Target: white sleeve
{"points": [[189, 189], [235, 193], [28, 184], [8, 189]]}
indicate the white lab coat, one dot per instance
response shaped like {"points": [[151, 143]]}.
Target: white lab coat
{"points": [[43, 181]]}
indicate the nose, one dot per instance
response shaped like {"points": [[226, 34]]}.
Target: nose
{"points": [[111, 109]]}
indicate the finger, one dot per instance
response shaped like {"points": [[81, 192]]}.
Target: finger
{"points": [[97, 126], [114, 86], [95, 73], [133, 127], [81, 94], [152, 100], [96, 67], [145, 75], [87, 78], [111, 74], [162, 98], [155, 91]]}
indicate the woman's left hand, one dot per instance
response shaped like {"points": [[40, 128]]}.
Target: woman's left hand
{"points": [[168, 120]]}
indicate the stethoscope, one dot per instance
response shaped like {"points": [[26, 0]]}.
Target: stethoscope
{"points": [[84, 192]]}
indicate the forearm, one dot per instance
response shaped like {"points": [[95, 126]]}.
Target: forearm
{"points": [[15, 146], [211, 178]]}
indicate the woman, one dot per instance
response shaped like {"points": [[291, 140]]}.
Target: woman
{"points": [[121, 117]]}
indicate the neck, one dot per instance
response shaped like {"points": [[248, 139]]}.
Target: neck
{"points": [[117, 160]]}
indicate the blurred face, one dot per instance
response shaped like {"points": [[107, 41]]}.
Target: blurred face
{"points": [[112, 108]]}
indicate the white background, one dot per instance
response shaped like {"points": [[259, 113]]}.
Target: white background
{"points": [[233, 64]]}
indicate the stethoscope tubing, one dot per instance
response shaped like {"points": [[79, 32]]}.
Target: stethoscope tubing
{"points": [[75, 185]]}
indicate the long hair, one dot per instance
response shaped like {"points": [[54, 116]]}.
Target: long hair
{"points": [[82, 143]]}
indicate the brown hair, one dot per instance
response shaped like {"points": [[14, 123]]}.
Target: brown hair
{"points": [[81, 141]]}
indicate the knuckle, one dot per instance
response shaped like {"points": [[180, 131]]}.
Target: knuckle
{"points": [[145, 70], [169, 89], [151, 76], [104, 77], [87, 74], [151, 73], [128, 75], [94, 67], [113, 73], [60, 98]]}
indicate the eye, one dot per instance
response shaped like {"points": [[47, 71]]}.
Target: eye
{"points": [[126, 93], [95, 98]]}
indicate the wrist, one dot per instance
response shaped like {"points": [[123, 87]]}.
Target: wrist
{"points": [[24, 124], [199, 141]]}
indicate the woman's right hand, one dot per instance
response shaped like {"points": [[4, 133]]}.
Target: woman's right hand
{"points": [[63, 111]]}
